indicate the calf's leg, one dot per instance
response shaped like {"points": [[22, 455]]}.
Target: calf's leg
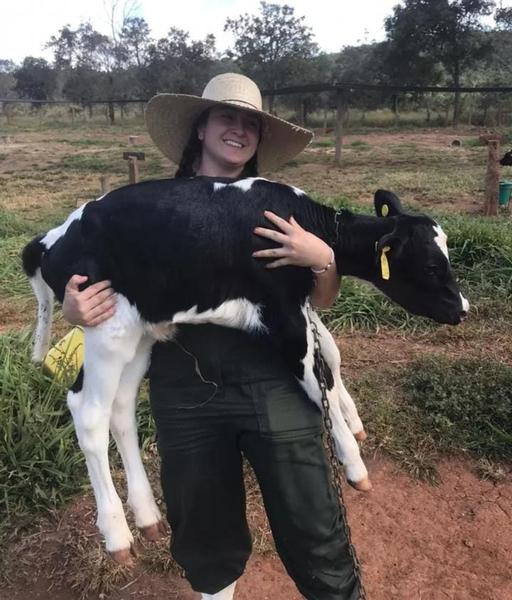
{"points": [[347, 449], [109, 347], [123, 426], [331, 355], [225, 594]]}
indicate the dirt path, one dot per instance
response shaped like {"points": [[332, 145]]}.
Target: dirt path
{"points": [[415, 541]]}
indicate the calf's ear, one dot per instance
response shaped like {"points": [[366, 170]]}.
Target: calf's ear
{"points": [[387, 204], [387, 248]]}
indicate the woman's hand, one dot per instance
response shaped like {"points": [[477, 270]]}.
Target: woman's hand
{"points": [[299, 247], [89, 307]]}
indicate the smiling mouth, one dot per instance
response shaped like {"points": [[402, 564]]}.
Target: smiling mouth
{"points": [[233, 144]]}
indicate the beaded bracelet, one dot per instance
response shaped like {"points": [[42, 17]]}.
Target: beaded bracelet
{"points": [[327, 266]]}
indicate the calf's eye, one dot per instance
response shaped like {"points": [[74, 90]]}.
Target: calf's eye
{"points": [[431, 270]]}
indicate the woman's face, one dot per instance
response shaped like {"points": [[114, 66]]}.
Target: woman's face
{"points": [[230, 138]]}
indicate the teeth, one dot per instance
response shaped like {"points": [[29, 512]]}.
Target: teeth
{"points": [[234, 144]]}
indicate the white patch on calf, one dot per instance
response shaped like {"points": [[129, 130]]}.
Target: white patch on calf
{"points": [[218, 186], [246, 184], [44, 295], [465, 303], [54, 234], [297, 191], [441, 240], [310, 383], [239, 313], [125, 320]]}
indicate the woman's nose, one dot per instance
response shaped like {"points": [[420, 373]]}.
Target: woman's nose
{"points": [[238, 125]]}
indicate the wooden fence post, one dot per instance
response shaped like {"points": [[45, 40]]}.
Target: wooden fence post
{"points": [[133, 164], [105, 184], [341, 107], [492, 178]]}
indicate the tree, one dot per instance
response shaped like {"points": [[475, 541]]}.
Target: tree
{"points": [[272, 47], [135, 40], [7, 80], [35, 79], [503, 18], [178, 64], [424, 32]]}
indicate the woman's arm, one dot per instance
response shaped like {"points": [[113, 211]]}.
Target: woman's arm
{"points": [[327, 286], [303, 249], [89, 307]]}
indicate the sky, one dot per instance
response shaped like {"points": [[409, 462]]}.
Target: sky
{"points": [[26, 25]]}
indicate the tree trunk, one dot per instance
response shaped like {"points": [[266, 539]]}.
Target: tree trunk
{"points": [[111, 113], [456, 99], [470, 110], [302, 113], [427, 108], [394, 108]]}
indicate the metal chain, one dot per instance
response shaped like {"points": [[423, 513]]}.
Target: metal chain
{"points": [[333, 459]]}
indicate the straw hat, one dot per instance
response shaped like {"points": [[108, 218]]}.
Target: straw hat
{"points": [[170, 117]]}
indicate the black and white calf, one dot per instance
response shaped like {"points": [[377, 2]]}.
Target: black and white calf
{"points": [[179, 251]]}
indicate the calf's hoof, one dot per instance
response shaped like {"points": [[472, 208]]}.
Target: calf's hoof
{"points": [[154, 532], [364, 485], [125, 556], [360, 435]]}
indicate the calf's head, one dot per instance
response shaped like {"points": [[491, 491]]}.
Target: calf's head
{"points": [[413, 265]]}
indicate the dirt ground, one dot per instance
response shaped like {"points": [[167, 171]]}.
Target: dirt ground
{"points": [[414, 540]]}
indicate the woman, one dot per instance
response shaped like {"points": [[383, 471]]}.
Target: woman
{"points": [[217, 393]]}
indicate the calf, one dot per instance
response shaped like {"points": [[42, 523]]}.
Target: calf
{"points": [[179, 251]]}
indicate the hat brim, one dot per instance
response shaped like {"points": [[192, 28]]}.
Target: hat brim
{"points": [[170, 118]]}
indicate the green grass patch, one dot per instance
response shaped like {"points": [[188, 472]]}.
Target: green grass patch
{"points": [[13, 281], [466, 404], [104, 163], [481, 254], [11, 224], [471, 143], [436, 406], [39, 463], [88, 142], [361, 306], [323, 143], [360, 145]]}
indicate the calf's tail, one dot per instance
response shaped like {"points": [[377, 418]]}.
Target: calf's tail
{"points": [[31, 257]]}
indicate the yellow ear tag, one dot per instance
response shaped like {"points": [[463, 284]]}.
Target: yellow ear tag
{"points": [[384, 264], [384, 210]]}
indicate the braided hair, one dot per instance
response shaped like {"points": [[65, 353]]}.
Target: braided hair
{"points": [[193, 149]]}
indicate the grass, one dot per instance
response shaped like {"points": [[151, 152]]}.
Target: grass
{"points": [[39, 463], [361, 306], [13, 282], [435, 406], [466, 405]]}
